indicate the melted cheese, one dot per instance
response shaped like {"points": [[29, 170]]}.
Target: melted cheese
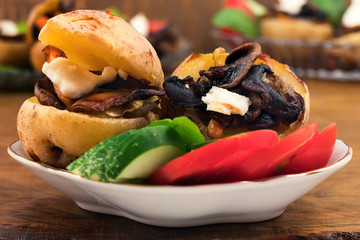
{"points": [[73, 80], [226, 102]]}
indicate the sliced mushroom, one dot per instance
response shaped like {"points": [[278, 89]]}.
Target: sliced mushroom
{"points": [[45, 93], [264, 120], [237, 65], [103, 100], [249, 51], [286, 107], [64, 99], [179, 91], [111, 97]]}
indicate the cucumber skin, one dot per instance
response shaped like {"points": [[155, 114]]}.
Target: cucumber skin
{"points": [[78, 163], [87, 164], [152, 137], [92, 160], [108, 159], [111, 157]]}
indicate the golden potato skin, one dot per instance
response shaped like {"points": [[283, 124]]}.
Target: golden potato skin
{"points": [[57, 137], [94, 40]]}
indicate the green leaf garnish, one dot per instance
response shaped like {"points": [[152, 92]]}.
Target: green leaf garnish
{"points": [[187, 130], [236, 20], [334, 8]]}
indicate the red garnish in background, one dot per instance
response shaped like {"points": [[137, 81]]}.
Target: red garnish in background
{"points": [[156, 26], [41, 21], [240, 5], [108, 12]]}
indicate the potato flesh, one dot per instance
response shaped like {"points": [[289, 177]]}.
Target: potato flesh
{"points": [[76, 48], [196, 62]]}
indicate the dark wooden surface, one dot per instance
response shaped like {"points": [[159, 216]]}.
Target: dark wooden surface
{"points": [[32, 209]]}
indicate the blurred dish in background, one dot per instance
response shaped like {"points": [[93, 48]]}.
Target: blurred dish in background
{"points": [[310, 36], [169, 44], [19, 79], [21, 56], [347, 43], [300, 19], [14, 48], [15, 70], [37, 20]]}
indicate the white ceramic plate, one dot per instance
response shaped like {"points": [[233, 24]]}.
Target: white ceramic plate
{"points": [[185, 206]]}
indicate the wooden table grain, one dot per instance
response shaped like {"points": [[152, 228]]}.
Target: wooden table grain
{"points": [[30, 208]]}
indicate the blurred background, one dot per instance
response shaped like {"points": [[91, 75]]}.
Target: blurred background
{"points": [[310, 36], [192, 18]]}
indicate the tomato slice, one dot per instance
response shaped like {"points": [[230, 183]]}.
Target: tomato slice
{"points": [[315, 154], [203, 164], [266, 163]]}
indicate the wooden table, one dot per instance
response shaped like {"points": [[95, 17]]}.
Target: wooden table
{"points": [[32, 209]]}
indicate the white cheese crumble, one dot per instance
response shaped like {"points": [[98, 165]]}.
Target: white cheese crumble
{"points": [[73, 80], [351, 17], [122, 74], [292, 7], [223, 101], [140, 23], [8, 28]]}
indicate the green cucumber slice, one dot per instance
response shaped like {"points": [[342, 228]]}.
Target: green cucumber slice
{"points": [[92, 158], [132, 155], [146, 140], [148, 162]]}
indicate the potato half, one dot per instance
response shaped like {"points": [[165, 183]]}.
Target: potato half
{"points": [[196, 62], [57, 137], [95, 40]]}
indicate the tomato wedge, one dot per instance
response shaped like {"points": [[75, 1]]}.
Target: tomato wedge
{"points": [[203, 164], [265, 163], [315, 154]]}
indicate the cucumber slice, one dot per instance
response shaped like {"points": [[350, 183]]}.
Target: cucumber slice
{"points": [[141, 145], [88, 163], [131, 155], [148, 162]]}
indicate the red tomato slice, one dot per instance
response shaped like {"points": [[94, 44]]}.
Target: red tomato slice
{"points": [[315, 154], [265, 163], [202, 165]]}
